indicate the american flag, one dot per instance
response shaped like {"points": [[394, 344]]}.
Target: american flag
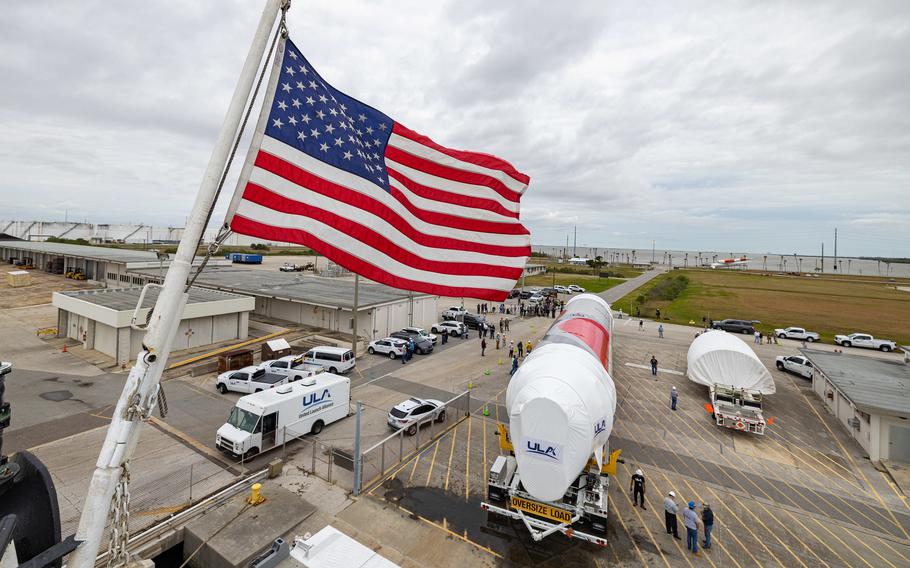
{"points": [[338, 176]]}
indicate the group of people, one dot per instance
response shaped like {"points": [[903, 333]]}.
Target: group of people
{"points": [[483, 309], [691, 518], [408, 354], [548, 308], [762, 338]]}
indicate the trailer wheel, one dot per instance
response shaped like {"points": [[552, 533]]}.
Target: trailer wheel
{"points": [[222, 388], [317, 427]]}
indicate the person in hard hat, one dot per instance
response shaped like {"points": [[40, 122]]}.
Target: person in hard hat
{"points": [[691, 522], [514, 364], [528, 347], [637, 487], [670, 510], [707, 520], [674, 396]]}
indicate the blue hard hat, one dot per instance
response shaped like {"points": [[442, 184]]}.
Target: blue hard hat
{"points": [[691, 504]]}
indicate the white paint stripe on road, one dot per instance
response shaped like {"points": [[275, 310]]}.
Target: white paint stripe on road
{"points": [[374, 380], [660, 369]]}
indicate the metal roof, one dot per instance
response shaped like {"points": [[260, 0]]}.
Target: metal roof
{"points": [[873, 384], [296, 287], [108, 254], [124, 299]]}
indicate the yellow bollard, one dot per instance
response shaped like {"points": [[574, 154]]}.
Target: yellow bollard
{"points": [[499, 362], [255, 494]]}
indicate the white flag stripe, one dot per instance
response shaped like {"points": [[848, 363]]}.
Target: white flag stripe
{"points": [[365, 252], [448, 208], [418, 149], [294, 192], [369, 189], [451, 186]]}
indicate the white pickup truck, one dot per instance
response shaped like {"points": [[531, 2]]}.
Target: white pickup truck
{"points": [[865, 340], [454, 313], [291, 366], [797, 333], [249, 379]]}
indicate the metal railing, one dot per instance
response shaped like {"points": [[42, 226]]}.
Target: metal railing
{"points": [[404, 443]]}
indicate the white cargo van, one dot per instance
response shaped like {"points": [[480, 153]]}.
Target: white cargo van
{"points": [[260, 421], [332, 359]]}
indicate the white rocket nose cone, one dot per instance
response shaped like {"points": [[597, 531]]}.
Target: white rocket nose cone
{"points": [[545, 459]]}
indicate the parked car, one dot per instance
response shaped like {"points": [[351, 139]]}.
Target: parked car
{"points": [[390, 346], [454, 312], [451, 327], [537, 291], [413, 411], [535, 299], [332, 359], [419, 331], [734, 326], [561, 289], [797, 333], [473, 321], [795, 364], [865, 340], [422, 345], [292, 366], [576, 288], [248, 379], [548, 292], [514, 293], [525, 294]]}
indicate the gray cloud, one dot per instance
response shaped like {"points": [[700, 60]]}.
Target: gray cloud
{"points": [[749, 124]]}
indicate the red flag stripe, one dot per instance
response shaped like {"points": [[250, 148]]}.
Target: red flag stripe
{"points": [[303, 178], [267, 197], [350, 262], [379, 242], [485, 160], [448, 197], [453, 174]]}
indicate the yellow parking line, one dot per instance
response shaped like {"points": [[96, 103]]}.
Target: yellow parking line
{"points": [[857, 468], [451, 453], [414, 467], [896, 491], [432, 462], [467, 459]]}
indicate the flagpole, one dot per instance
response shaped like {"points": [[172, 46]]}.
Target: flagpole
{"points": [[139, 394]]}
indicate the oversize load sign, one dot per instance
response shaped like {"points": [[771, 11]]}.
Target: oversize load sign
{"points": [[542, 510]]}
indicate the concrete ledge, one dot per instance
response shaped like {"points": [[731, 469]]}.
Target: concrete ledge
{"points": [[233, 533]]}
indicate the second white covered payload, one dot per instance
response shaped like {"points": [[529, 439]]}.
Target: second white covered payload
{"points": [[720, 358]]}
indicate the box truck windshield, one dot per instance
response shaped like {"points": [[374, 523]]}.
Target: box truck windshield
{"points": [[243, 419]]}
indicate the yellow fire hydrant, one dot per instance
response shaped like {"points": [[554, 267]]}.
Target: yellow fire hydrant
{"points": [[256, 494]]}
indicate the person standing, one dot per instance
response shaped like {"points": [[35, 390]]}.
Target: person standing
{"points": [[521, 349], [641, 325], [507, 324], [637, 487], [653, 365], [660, 331], [511, 349], [404, 354], [707, 521], [412, 347], [445, 337], [483, 346], [670, 510], [498, 337], [514, 364], [757, 337], [528, 347], [658, 314], [690, 521], [502, 325], [481, 330], [674, 395]]}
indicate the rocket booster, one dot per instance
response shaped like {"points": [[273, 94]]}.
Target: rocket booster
{"points": [[562, 399]]}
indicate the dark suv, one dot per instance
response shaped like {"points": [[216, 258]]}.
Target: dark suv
{"points": [[734, 326], [472, 321], [421, 345]]}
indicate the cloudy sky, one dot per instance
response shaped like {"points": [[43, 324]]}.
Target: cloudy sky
{"points": [[753, 126]]}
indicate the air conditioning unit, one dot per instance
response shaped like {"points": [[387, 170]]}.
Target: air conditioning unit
{"points": [[853, 423]]}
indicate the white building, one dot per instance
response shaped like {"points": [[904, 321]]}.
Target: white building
{"points": [[100, 319], [319, 301], [870, 397]]}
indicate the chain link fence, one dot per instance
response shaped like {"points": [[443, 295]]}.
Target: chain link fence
{"points": [[381, 457]]}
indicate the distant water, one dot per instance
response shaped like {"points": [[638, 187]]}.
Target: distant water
{"points": [[757, 261]]}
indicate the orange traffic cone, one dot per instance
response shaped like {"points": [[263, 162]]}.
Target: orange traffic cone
{"points": [[64, 348]]}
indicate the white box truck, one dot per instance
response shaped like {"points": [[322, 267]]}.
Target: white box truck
{"points": [[263, 420]]}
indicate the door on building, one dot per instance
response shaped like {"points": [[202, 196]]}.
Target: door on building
{"points": [[269, 429], [899, 443]]}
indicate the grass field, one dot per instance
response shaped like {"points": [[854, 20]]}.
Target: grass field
{"points": [[827, 305], [590, 283]]}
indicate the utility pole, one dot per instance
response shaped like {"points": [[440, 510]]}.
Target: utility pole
{"points": [[823, 258], [835, 248], [575, 243], [653, 244]]}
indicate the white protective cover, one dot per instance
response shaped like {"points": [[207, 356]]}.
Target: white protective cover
{"points": [[720, 358], [561, 404]]}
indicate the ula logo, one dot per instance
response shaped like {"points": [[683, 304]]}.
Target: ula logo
{"points": [[600, 427], [542, 449], [313, 399]]}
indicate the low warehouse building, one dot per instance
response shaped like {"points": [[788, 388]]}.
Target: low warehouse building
{"points": [[100, 319], [870, 397], [322, 302]]}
